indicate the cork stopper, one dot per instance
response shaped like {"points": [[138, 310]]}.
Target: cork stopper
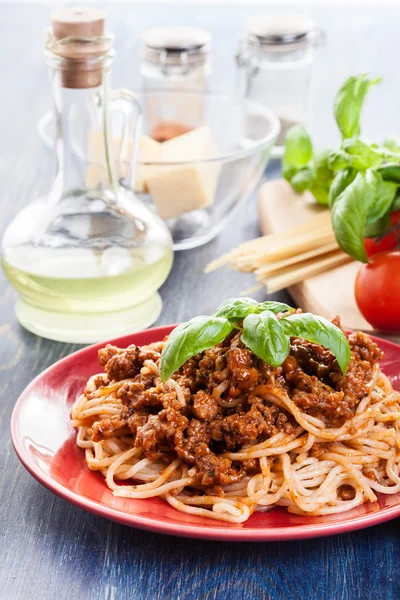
{"points": [[78, 35]]}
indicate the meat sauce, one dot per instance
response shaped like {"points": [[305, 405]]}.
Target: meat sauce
{"points": [[227, 400]]}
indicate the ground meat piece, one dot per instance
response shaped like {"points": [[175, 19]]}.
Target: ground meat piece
{"points": [[120, 364], [319, 400], [214, 490], [247, 428], [150, 352], [106, 428], [156, 436], [240, 363], [214, 470], [205, 407], [346, 492], [137, 419], [364, 355], [251, 466], [215, 429], [135, 395], [364, 349], [193, 442]]}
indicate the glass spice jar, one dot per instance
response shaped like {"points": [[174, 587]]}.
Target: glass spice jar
{"points": [[275, 66], [175, 59]]}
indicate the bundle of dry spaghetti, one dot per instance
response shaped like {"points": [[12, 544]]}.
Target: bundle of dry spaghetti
{"points": [[279, 260]]}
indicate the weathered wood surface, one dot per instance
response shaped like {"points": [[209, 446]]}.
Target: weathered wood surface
{"points": [[52, 550]]}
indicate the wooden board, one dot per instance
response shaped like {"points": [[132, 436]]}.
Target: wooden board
{"points": [[328, 294]]}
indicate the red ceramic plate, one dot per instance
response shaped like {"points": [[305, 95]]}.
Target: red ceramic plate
{"points": [[45, 444]]}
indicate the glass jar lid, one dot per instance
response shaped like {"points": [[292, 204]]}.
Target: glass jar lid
{"points": [[172, 46], [279, 32]]}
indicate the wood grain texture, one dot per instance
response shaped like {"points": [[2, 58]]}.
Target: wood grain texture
{"points": [[52, 550]]}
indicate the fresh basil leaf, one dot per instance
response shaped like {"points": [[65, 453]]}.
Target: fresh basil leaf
{"points": [[323, 178], [236, 308], [275, 307], [361, 155], [264, 336], [377, 228], [320, 331], [303, 179], [384, 200], [349, 102], [188, 339], [392, 144], [390, 172], [340, 183], [298, 147], [396, 202], [288, 171], [338, 160], [349, 214]]}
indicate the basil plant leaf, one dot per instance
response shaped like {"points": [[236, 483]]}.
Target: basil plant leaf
{"points": [[377, 228], [349, 213], [396, 202], [323, 178], [390, 172], [349, 102], [361, 155], [320, 331], [298, 147], [392, 144], [264, 336], [236, 308], [288, 171], [275, 307], [384, 200], [303, 179], [340, 183], [188, 339], [338, 160]]}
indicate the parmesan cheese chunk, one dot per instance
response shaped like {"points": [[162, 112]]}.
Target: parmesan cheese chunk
{"points": [[149, 151], [177, 189]]}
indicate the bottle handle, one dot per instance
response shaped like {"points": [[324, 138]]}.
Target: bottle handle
{"points": [[126, 103]]}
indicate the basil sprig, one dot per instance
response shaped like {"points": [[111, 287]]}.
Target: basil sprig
{"points": [[238, 308], [188, 339], [263, 333], [359, 180], [320, 331]]}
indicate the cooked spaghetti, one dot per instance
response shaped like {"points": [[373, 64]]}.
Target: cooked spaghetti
{"points": [[227, 434]]}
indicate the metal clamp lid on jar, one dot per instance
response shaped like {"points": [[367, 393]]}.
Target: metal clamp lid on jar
{"points": [[174, 47], [278, 33]]}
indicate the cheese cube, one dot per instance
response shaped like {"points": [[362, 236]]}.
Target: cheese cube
{"points": [[178, 189], [195, 144], [149, 151]]}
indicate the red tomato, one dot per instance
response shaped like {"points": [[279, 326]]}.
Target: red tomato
{"points": [[389, 242], [377, 291]]}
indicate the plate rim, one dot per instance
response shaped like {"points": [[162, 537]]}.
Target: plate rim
{"points": [[207, 532]]}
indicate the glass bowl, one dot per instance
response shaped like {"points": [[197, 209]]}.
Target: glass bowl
{"points": [[218, 174], [214, 178]]}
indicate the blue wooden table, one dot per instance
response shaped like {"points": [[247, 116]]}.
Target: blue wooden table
{"points": [[52, 550]]}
